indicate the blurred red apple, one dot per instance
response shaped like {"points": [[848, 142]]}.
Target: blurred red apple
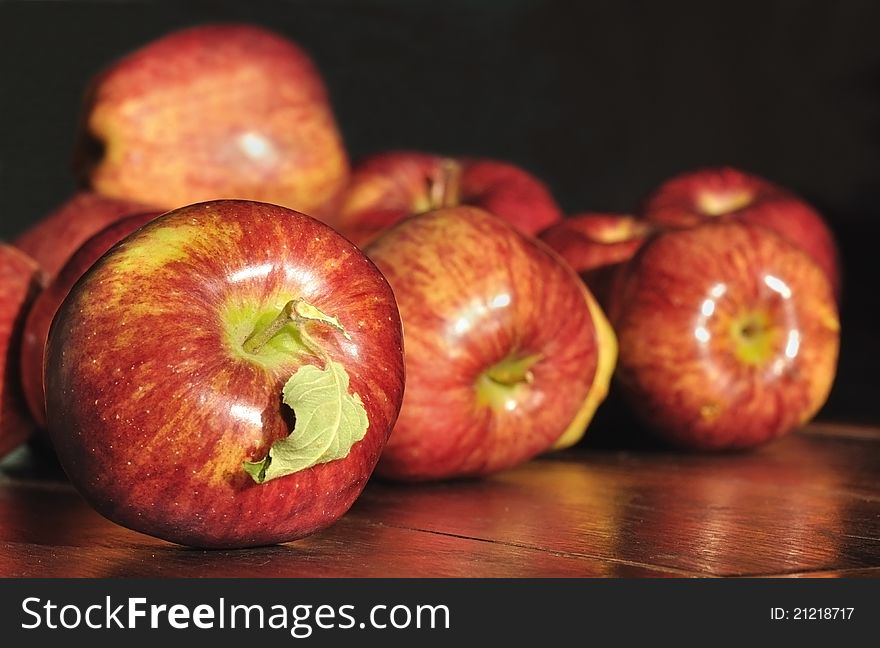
{"points": [[705, 194], [213, 111], [172, 366], [389, 187], [595, 244], [502, 351], [21, 279], [52, 240], [36, 326], [728, 335]]}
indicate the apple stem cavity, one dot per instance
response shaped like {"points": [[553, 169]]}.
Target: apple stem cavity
{"points": [[445, 191], [511, 372], [296, 311], [499, 385]]}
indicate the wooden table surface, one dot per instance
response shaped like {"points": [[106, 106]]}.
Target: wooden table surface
{"points": [[806, 505]]}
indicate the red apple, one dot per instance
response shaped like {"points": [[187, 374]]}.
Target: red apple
{"points": [[53, 240], [701, 195], [388, 187], [596, 244], [21, 279], [167, 361], [728, 335], [36, 326], [502, 349], [213, 111]]}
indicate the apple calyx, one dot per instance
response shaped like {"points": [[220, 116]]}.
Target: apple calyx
{"points": [[329, 419], [497, 385], [753, 338], [445, 190]]}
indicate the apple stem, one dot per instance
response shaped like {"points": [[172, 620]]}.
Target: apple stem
{"points": [[297, 311], [446, 190], [258, 338], [512, 372]]}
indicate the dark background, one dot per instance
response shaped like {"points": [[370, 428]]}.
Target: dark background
{"points": [[602, 100]]}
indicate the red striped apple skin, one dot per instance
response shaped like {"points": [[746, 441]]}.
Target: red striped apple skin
{"points": [[213, 111], [21, 280], [706, 194], [388, 187], [52, 240], [153, 404], [728, 335], [474, 294], [39, 318]]}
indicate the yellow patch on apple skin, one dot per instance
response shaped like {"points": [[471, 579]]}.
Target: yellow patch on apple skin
{"points": [[157, 246], [710, 412], [829, 327], [622, 231], [714, 203], [606, 344], [364, 195], [827, 316]]}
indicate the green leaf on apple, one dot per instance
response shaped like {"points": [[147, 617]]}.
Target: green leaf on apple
{"points": [[329, 421]]}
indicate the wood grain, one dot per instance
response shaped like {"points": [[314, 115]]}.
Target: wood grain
{"points": [[805, 506]]}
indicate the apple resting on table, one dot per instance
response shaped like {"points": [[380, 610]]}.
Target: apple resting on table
{"points": [[53, 239], [213, 111], [21, 279], [388, 187], [39, 318], [707, 194], [728, 335], [225, 376], [507, 353]]}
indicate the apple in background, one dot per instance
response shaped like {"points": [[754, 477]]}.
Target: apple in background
{"points": [[213, 111], [502, 352], [52, 240], [388, 187], [595, 244], [728, 335], [21, 279], [39, 318], [166, 362], [705, 194]]}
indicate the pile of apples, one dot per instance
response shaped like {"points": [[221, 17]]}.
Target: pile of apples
{"points": [[231, 372]]}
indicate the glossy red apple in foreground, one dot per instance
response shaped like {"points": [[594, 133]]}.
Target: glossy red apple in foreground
{"points": [[596, 244], [728, 335], [502, 351], [706, 194], [20, 281], [167, 361], [389, 187], [39, 318], [52, 240], [213, 111]]}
